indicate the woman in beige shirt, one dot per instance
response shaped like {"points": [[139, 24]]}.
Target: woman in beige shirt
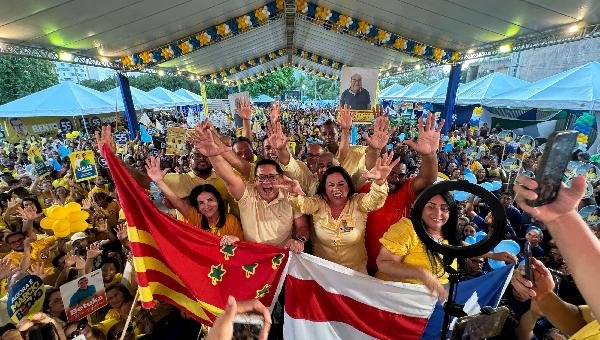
{"points": [[339, 214]]}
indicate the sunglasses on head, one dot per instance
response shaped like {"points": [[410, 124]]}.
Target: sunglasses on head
{"points": [[78, 331]]}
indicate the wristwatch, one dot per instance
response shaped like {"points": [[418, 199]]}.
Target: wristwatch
{"points": [[301, 239]]}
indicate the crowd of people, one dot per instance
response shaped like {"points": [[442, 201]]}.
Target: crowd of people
{"points": [[290, 177]]}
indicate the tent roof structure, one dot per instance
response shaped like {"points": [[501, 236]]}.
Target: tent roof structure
{"points": [[408, 91], [263, 98], [189, 95], [66, 99], [141, 99], [217, 38], [575, 89], [481, 89], [390, 89], [167, 97]]}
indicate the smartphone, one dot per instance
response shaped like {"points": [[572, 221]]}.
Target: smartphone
{"points": [[528, 269], [247, 326], [553, 164]]}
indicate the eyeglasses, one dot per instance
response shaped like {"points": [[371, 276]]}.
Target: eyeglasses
{"points": [[267, 178], [77, 332]]}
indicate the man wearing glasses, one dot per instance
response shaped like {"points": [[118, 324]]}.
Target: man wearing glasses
{"points": [[357, 97]]}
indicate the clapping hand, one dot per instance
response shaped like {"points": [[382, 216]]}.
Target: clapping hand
{"points": [[382, 168], [290, 185]]}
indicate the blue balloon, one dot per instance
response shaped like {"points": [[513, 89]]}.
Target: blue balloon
{"points": [[467, 171], [444, 138], [461, 195], [509, 246], [496, 185], [480, 235], [487, 186], [402, 136], [63, 151], [471, 178], [448, 147], [470, 240]]}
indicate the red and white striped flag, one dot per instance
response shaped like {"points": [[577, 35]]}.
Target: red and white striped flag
{"points": [[324, 300]]}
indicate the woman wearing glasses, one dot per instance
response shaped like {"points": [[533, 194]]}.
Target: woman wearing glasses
{"points": [[204, 207], [403, 257]]}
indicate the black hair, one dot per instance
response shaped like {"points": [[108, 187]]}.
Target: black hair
{"points": [[56, 260], [120, 287], [265, 161], [193, 199], [449, 233], [332, 170], [242, 139], [36, 203], [114, 261], [46, 304]]}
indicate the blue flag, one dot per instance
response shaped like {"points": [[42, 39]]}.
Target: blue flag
{"points": [[475, 294], [354, 135]]}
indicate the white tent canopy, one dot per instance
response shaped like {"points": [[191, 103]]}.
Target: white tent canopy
{"points": [[481, 89], [434, 93], [409, 90], [574, 89], [384, 94], [168, 98], [141, 99], [189, 95], [63, 100]]}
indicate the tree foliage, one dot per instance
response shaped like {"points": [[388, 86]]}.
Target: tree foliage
{"points": [[314, 87], [273, 85], [147, 82], [424, 76], [21, 76]]}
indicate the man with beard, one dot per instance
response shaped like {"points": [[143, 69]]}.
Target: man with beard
{"points": [[265, 211], [402, 190], [202, 173]]}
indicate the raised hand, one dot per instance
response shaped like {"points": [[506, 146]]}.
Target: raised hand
{"points": [[345, 117], [382, 168], [121, 232], [93, 251], [276, 136], [429, 137], [245, 110], [38, 270], [290, 185], [6, 268], [86, 204], [101, 225], [105, 137], [204, 141], [153, 169], [275, 112], [13, 203], [27, 214], [381, 129]]}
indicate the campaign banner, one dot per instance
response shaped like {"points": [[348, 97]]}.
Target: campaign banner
{"points": [[83, 296], [83, 164], [175, 141], [37, 160], [25, 298], [358, 88]]}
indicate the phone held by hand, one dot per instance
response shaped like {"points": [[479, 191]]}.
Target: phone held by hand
{"points": [[552, 166], [528, 268], [247, 326]]}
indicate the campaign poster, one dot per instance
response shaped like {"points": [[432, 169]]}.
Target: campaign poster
{"points": [[175, 141], [37, 160], [358, 88], [83, 164], [83, 296], [234, 105], [25, 298]]}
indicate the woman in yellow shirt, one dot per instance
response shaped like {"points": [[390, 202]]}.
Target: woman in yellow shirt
{"points": [[204, 207], [404, 257], [339, 215]]}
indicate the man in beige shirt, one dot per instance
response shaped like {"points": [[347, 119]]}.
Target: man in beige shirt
{"points": [[265, 211]]}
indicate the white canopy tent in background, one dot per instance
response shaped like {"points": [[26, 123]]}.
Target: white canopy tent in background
{"points": [[408, 91], [384, 94], [434, 93], [141, 99], [184, 93], [168, 98], [574, 89], [477, 91], [66, 99]]}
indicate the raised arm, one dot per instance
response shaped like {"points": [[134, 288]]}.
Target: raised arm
{"points": [[426, 145], [239, 164], [245, 112], [380, 137], [157, 176], [345, 122], [570, 232], [204, 141]]}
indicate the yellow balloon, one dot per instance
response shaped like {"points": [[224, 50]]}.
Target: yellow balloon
{"points": [[61, 228], [75, 133], [59, 213], [73, 207], [47, 222], [79, 226], [78, 216], [50, 210], [69, 135]]}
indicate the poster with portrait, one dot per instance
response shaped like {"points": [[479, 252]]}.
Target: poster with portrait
{"points": [[234, 104], [83, 296], [175, 141], [83, 164], [37, 160], [358, 89]]}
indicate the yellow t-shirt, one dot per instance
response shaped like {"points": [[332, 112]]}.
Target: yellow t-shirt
{"points": [[232, 225], [299, 171], [402, 240], [355, 160], [589, 331], [342, 240]]}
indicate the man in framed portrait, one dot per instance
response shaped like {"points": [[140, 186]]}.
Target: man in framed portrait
{"points": [[356, 96]]}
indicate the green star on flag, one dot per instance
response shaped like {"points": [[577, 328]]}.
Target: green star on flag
{"points": [[228, 250], [263, 291], [276, 261], [216, 273], [250, 269]]}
